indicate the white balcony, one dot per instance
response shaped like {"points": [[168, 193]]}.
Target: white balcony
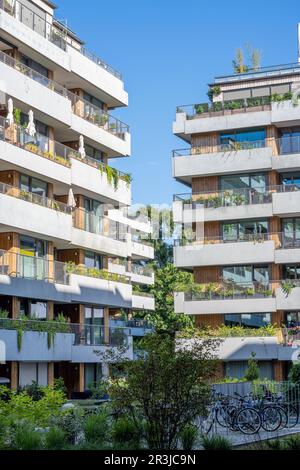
{"points": [[218, 254], [143, 302], [138, 278], [13, 157], [86, 70], [26, 217], [102, 353], [189, 213], [244, 118], [289, 301], [94, 183], [285, 113], [238, 305], [240, 349], [100, 243], [286, 204], [221, 163], [142, 251], [286, 162], [92, 290], [287, 256]]}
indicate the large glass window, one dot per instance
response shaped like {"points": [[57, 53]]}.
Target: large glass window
{"points": [[93, 260], [248, 135], [93, 320], [31, 262], [35, 66], [248, 320], [257, 182], [291, 233], [246, 274], [292, 319], [94, 101], [244, 229], [93, 215], [293, 179], [289, 140], [94, 153], [34, 309], [33, 185], [92, 374], [291, 272]]}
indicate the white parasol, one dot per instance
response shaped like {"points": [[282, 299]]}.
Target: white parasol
{"points": [[10, 114], [30, 129], [81, 148], [71, 199]]}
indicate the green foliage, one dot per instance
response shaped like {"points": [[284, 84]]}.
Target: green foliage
{"points": [[59, 385], [70, 421], [213, 91], [17, 116], [287, 286], [125, 434], [24, 437], [72, 268], [166, 389], [55, 439], [35, 391], [292, 443], [294, 374], [96, 428], [216, 443], [164, 318], [252, 373], [188, 437]]}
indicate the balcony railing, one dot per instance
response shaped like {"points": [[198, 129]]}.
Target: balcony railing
{"points": [[234, 197], [100, 225], [133, 323], [224, 108], [55, 34], [34, 21], [34, 198], [72, 268], [282, 240], [84, 335], [232, 291], [143, 294], [281, 146], [271, 71], [80, 107], [32, 267]]}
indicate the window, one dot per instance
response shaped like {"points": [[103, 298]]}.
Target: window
{"points": [[292, 319], [257, 182], [291, 272], [42, 132], [291, 233], [289, 140], [94, 153], [33, 185], [94, 101], [93, 215], [93, 260], [93, 320], [35, 66], [34, 309], [31, 263], [248, 320], [243, 230], [251, 135], [287, 179], [92, 373], [246, 274], [238, 369]]}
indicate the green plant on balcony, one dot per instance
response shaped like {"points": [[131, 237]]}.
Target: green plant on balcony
{"points": [[238, 199], [33, 148], [249, 291], [201, 108], [234, 104], [213, 92], [287, 286], [25, 195], [128, 179], [112, 176], [17, 116], [55, 205], [217, 106]]}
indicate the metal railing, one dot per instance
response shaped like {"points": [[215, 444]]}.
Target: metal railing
{"points": [[273, 70], [100, 225], [35, 22], [133, 323], [34, 198], [234, 197], [139, 239], [222, 108], [232, 290], [39, 144], [84, 334], [143, 294], [80, 107], [281, 146], [32, 267], [54, 32], [80, 270]]}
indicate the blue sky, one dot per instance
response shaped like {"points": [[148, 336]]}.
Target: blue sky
{"points": [[167, 51]]}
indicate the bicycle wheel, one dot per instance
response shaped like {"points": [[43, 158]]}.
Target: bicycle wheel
{"points": [[271, 418], [225, 415], [292, 415], [248, 421], [206, 423]]}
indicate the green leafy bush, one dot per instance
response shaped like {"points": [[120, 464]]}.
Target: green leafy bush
{"points": [[188, 437], [216, 443], [55, 439], [96, 428]]}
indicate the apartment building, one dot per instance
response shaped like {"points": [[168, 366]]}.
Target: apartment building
{"points": [[70, 254], [242, 206]]}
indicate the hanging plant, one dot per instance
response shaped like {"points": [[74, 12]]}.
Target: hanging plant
{"points": [[19, 337], [128, 180]]}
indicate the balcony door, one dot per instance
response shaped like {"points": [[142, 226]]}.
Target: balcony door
{"points": [[291, 233], [32, 260], [93, 325], [93, 216]]}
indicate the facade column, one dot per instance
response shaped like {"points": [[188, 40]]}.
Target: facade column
{"points": [[14, 372]]}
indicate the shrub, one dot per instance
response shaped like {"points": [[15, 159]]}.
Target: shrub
{"points": [[55, 439], [125, 433], [252, 373], [24, 437], [216, 443], [188, 437], [292, 443], [96, 428], [71, 422]]}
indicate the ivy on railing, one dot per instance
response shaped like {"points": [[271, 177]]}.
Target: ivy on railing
{"points": [[72, 268]]}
